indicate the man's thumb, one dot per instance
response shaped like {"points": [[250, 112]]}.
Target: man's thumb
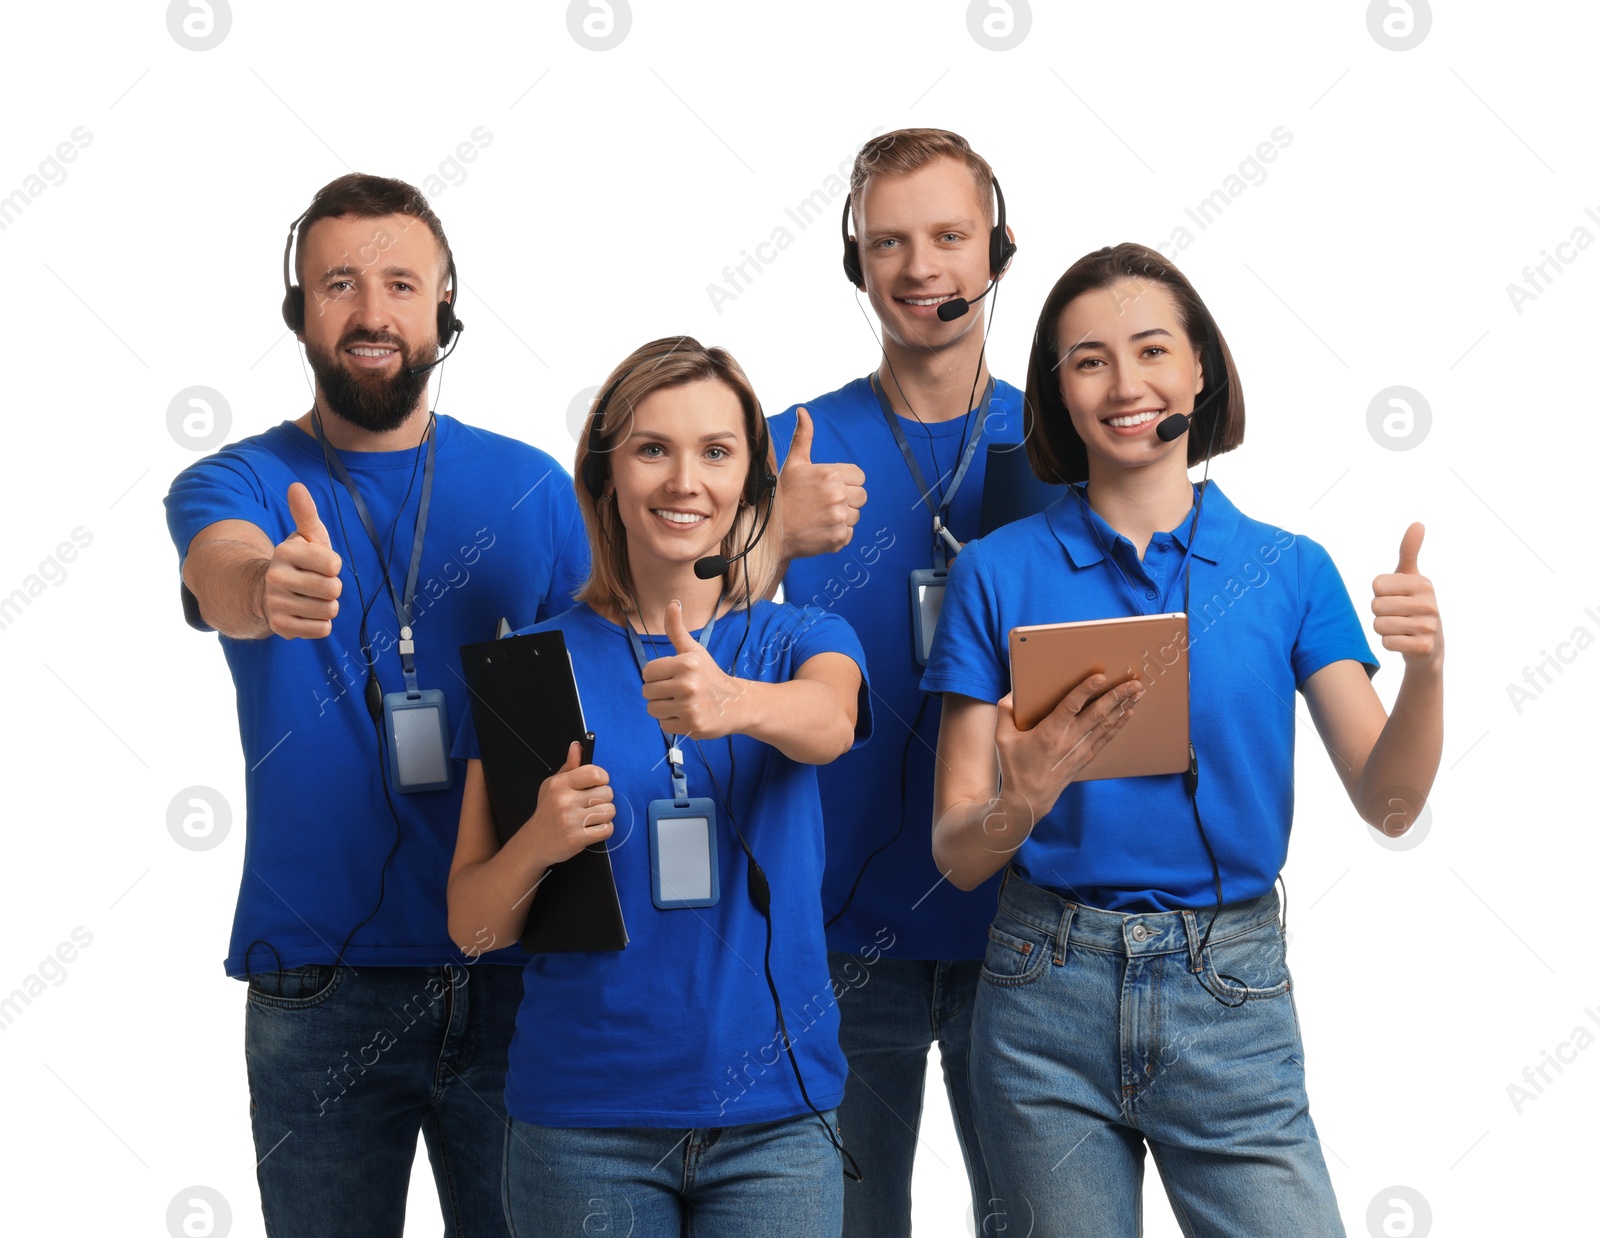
{"points": [[574, 758], [1410, 544], [800, 448], [306, 521], [677, 630]]}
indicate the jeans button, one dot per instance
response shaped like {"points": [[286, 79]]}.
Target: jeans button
{"points": [[1138, 932]]}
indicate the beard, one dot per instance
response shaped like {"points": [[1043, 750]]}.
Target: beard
{"points": [[371, 401]]}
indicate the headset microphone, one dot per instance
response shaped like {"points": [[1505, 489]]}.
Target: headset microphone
{"points": [[957, 306], [412, 371], [1173, 427], [1177, 425], [717, 565]]}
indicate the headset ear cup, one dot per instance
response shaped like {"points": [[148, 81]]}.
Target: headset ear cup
{"points": [[852, 249], [294, 309], [593, 473], [760, 480], [852, 264], [755, 483], [594, 469], [445, 320], [593, 482], [1001, 248]]}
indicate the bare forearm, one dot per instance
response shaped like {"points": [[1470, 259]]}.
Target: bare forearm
{"points": [[228, 579], [800, 718], [1405, 758], [488, 901], [974, 839]]}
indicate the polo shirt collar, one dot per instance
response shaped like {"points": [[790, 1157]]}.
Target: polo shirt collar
{"points": [[1070, 523]]}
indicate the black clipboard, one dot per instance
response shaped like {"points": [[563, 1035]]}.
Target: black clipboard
{"points": [[527, 713]]}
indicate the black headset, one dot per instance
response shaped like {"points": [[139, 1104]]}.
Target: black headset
{"points": [[759, 481], [294, 296], [1001, 246]]}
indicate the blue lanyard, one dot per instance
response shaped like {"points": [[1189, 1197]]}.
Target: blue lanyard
{"points": [[941, 516], [680, 781], [402, 605], [1133, 594]]}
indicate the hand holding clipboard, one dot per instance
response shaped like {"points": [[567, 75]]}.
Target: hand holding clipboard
{"points": [[529, 721]]}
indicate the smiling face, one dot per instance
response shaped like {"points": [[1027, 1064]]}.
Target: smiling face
{"points": [[372, 288], [924, 239], [1127, 363], [678, 476]]}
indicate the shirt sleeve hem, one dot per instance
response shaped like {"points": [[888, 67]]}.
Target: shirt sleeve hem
{"points": [[977, 689]]}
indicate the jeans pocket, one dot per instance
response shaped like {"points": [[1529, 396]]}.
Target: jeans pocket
{"points": [[1248, 966], [294, 988], [1013, 960]]}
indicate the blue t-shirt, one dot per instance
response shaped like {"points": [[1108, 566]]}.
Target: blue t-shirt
{"points": [[504, 538], [1267, 610], [678, 1028], [903, 899]]}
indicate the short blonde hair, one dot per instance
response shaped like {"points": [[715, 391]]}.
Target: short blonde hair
{"points": [[903, 151], [671, 362]]}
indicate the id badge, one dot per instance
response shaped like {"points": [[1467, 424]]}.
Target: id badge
{"points": [[927, 599], [683, 855], [418, 733]]}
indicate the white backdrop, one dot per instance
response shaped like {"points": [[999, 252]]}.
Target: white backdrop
{"points": [[1424, 166]]}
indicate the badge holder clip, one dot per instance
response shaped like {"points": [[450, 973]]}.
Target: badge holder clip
{"points": [[417, 728]]}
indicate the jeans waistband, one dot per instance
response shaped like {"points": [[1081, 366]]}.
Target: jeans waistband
{"points": [[1129, 933]]}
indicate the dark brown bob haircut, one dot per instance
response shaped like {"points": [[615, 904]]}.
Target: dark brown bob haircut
{"points": [[671, 361], [1055, 449]]}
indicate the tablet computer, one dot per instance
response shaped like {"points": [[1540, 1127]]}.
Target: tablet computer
{"points": [[1049, 659]]}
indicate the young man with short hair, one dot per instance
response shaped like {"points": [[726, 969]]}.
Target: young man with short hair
{"points": [[882, 483]]}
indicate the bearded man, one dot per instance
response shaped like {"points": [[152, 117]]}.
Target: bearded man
{"points": [[343, 557]]}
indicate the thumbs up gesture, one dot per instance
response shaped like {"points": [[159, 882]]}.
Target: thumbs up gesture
{"points": [[1406, 612], [301, 588], [821, 502], [688, 693]]}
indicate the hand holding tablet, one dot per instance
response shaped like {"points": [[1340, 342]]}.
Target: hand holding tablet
{"points": [[1050, 664]]}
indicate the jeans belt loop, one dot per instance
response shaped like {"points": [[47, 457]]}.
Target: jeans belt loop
{"points": [[1191, 928], [1063, 933]]}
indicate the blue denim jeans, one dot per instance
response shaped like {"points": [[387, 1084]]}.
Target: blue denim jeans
{"points": [[1098, 1033], [761, 1180], [890, 1013], [345, 1067]]}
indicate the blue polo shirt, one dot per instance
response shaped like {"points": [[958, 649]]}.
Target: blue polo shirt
{"points": [[678, 1029], [868, 582], [1267, 610]]}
